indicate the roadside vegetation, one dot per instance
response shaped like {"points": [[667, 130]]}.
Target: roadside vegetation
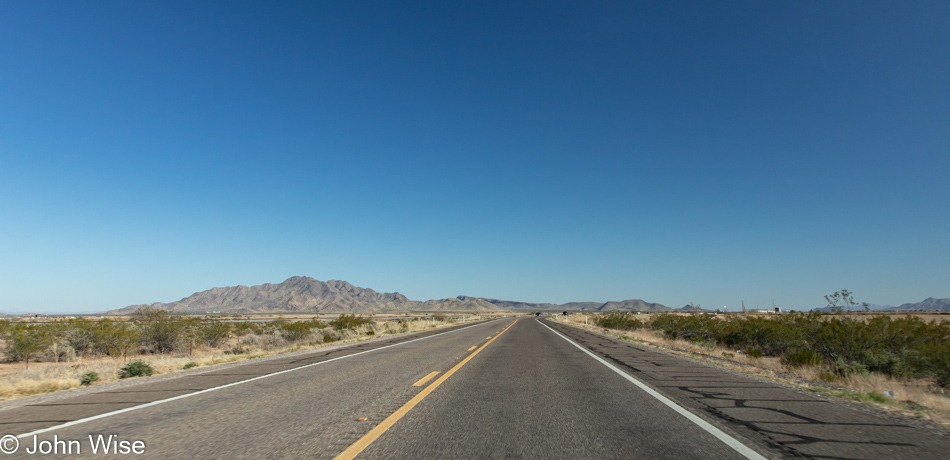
{"points": [[620, 320], [906, 347], [40, 357], [901, 362]]}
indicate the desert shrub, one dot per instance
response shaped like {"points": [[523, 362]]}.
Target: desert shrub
{"points": [[189, 365], [774, 335], [885, 362], [350, 322], [314, 323], [941, 371], [370, 332], [399, 325], [250, 340], [295, 331], [101, 333], [624, 321], [246, 327], [161, 330], [842, 367], [905, 347], [842, 338], [327, 338], [754, 352], [137, 368], [213, 332], [23, 341], [685, 327], [270, 327], [802, 357], [89, 378], [59, 352], [113, 338], [77, 333]]}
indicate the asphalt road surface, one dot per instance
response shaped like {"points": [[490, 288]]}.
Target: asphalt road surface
{"points": [[508, 388]]}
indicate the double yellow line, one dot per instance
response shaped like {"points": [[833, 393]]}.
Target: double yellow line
{"points": [[378, 430]]}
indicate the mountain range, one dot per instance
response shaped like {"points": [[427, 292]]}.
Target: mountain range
{"points": [[928, 304], [623, 305], [302, 294]]}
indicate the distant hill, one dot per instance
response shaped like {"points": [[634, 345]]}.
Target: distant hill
{"points": [[512, 305], [296, 294], [625, 305], [302, 294], [928, 304]]}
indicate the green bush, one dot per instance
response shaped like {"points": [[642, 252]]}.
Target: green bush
{"points": [[23, 341], [904, 347], [295, 331], [624, 321], [802, 357], [885, 362], [137, 368], [213, 332], [327, 338], [76, 333], [350, 322], [246, 327], [190, 365], [89, 378], [161, 329]]}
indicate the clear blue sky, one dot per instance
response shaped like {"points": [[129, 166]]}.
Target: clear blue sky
{"points": [[707, 152]]}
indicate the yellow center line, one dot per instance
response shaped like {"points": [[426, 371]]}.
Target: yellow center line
{"points": [[378, 430], [486, 338], [473, 347], [425, 379]]}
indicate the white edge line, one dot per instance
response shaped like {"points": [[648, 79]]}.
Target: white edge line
{"points": [[207, 390], [737, 446]]}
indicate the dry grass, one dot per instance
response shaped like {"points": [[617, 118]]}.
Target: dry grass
{"points": [[923, 401], [917, 398], [16, 381]]}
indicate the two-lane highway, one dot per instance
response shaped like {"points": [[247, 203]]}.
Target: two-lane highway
{"points": [[509, 388], [534, 395]]}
